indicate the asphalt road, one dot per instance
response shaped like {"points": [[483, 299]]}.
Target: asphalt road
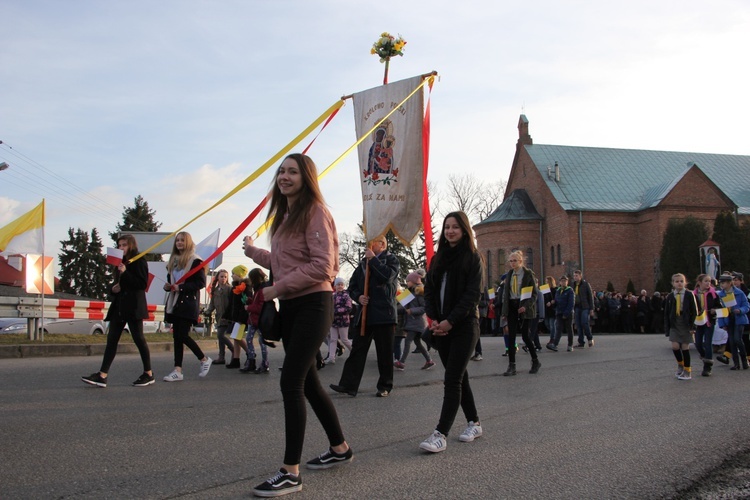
{"points": [[607, 422]]}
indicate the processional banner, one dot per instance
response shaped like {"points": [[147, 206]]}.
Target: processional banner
{"points": [[391, 159]]}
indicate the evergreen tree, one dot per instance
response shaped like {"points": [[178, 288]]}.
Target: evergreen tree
{"points": [[679, 251], [630, 287], [733, 240], [139, 217], [83, 269]]}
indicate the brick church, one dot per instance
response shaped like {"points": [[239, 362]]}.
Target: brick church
{"points": [[605, 210]]}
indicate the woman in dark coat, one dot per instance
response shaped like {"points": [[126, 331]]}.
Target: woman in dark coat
{"points": [[128, 306], [452, 288], [183, 302]]}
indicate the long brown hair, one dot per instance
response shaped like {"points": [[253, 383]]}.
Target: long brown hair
{"points": [[182, 260], [310, 195], [132, 250], [468, 236]]}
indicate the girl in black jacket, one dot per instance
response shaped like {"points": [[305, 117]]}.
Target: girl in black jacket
{"points": [[452, 289], [128, 306]]}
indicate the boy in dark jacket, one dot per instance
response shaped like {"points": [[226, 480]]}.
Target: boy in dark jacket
{"points": [[564, 302]]}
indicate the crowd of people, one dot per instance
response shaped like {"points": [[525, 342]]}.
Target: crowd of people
{"points": [[445, 309]]}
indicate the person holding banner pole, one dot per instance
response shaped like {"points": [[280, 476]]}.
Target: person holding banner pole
{"points": [[304, 262], [129, 307], [519, 309], [452, 289], [373, 285]]}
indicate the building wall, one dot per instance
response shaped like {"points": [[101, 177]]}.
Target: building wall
{"points": [[617, 246]]}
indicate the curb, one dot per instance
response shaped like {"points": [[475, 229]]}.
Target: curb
{"points": [[50, 350]]}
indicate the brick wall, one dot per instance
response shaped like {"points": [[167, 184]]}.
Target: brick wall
{"points": [[617, 246]]}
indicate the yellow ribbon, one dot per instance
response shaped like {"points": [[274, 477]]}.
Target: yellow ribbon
{"points": [[263, 228], [250, 178]]}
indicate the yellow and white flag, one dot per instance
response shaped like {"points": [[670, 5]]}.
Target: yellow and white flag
{"points": [[405, 297], [391, 159], [729, 300], [722, 312], [491, 293], [701, 319], [526, 292], [25, 234], [544, 288]]}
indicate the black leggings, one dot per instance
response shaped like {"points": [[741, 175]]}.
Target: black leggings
{"points": [[181, 336], [305, 322], [455, 350], [518, 324], [113, 338]]}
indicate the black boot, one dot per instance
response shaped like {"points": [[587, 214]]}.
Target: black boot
{"points": [[234, 364], [744, 362], [535, 365], [511, 370], [736, 363]]}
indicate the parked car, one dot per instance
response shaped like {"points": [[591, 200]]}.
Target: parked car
{"points": [[75, 326], [12, 325]]}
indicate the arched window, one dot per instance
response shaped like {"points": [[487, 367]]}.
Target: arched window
{"points": [[559, 255], [552, 254], [530, 258]]}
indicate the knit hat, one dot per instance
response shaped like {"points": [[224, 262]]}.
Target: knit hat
{"points": [[339, 280], [240, 271], [414, 278]]}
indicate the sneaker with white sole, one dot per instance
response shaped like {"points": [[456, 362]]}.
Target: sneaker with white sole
{"points": [[679, 372], [144, 380], [685, 375], [435, 442], [330, 459], [95, 379], [174, 376], [282, 483], [471, 432], [205, 366]]}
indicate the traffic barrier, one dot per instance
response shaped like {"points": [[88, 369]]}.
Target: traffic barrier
{"points": [[31, 307]]}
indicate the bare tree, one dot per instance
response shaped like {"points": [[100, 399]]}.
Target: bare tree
{"points": [[477, 199]]}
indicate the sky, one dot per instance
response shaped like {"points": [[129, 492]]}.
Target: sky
{"points": [[180, 100]]}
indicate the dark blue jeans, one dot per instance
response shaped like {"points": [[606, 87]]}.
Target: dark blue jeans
{"points": [[564, 325], [736, 346], [704, 338], [305, 322], [455, 350], [582, 324]]}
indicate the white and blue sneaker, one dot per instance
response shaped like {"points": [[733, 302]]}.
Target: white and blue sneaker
{"points": [[471, 432], [435, 443]]}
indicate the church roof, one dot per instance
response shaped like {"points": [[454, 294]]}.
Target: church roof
{"points": [[517, 206], [630, 180]]}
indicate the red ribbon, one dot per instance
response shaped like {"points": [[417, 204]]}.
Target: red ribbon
{"points": [[426, 219]]}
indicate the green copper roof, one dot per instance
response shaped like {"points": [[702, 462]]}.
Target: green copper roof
{"points": [[630, 180]]}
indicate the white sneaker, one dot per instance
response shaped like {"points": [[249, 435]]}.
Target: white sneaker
{"points": [[679, 372], [685, 375], [435, 443], [175, 376], [205, 366], [471, 432]]}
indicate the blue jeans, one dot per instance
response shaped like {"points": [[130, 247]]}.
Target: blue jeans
{"points": [[551, 324], [736, 346], [563, 325], [582, 324], [704, 338]]}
